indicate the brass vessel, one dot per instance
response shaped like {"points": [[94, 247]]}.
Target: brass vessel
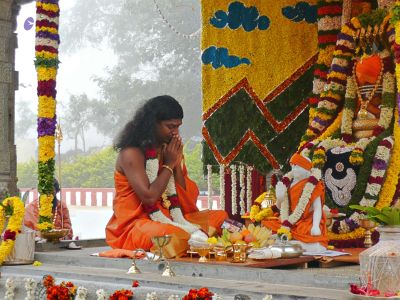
{"points": [[269, 199]]}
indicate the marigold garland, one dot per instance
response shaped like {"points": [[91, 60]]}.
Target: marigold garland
{"points": [[16, 206], [392, 177], [46, 62]]}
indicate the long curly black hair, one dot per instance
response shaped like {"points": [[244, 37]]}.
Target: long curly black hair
{"points": [[141, 130]]}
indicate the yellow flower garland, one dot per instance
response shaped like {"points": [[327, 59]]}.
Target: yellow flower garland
{"points": [[14, 224], [46, 148], [392, 177], [47, 107], [356, 234], [45, 73], [258, 214]]}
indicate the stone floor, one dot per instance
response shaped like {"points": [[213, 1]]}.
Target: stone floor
{"points": [[231, 282]]}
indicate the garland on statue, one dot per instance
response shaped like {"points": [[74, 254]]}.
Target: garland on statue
{"points": [[14, 208], [392, 177], [289, 219], [169, 198], [329, 23], [46, 62]]}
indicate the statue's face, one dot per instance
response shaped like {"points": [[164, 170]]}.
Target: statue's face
{"points": [[300, 173]]}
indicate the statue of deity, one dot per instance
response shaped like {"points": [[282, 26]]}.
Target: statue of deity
{"points": [[354, 152]]}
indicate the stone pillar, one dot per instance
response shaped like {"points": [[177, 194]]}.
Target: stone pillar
{"points": [[8, 84]]}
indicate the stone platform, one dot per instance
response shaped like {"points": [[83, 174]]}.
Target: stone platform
{"points": [[228, 281]]}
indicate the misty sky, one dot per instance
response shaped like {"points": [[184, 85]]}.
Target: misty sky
{"points": [[74, 75]]}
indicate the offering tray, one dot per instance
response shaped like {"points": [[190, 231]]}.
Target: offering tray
{"points": [[54, 235]]}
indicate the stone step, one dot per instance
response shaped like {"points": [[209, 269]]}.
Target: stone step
{"points": [[110, 279], [227, 281], [332, 278]]}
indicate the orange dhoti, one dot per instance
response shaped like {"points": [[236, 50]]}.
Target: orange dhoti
{"points": [[301, 231], [130, 227]]}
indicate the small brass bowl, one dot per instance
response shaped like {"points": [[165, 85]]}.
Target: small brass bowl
{"points": [[54, 235], [367, 224], [203, 252]]}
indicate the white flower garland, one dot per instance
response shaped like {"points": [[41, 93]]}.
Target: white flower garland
{"points": [[10, 287], [303, 201], [151, 296], [209, 186], [81, 293], [222, 186], [173, 297], [242, 190], [152, 166], [101, 294], [373, 189], [249, 191], [233, 189], [30, 287]]}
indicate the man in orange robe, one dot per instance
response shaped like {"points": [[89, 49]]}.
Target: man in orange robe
{"points": [[61, 220], [303, 230], [155, 125]]}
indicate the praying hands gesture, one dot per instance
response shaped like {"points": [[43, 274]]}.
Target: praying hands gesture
{"points": [[172, 152]]}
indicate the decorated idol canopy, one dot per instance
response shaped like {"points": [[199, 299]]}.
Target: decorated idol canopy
{"points": [[319, 80]]}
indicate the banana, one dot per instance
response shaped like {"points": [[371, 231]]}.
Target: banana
{"points": [[251, 227], [256, 230]]}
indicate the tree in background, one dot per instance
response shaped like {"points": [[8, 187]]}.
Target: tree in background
{"points": [[77, 118], [27, 120], [152, 59], [96, 169]]}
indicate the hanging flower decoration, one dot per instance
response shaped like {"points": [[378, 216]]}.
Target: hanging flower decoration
{"points": [[234, 189], [222, 186], [46, 62], [329, 24], [169, 198], [242, 189], [14, 208]]}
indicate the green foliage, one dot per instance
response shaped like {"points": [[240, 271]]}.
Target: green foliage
{"points": [[27, 174], [195, 168], [97, 169], [91, 171], [385, 216]]}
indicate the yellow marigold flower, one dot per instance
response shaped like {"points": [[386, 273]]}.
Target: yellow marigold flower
{"points": [[356, 22], [325, 56], [48, 6], [332, 128], [37, 263], [356, 234], [48, 29], [337, 75], [341, 53], [397, 32], [46, 54], [212, 240], [47, 107], [44, 226], [323, 116], [45, 73], [46, 148], [46, 205], [392, 175], [284, 231]]}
